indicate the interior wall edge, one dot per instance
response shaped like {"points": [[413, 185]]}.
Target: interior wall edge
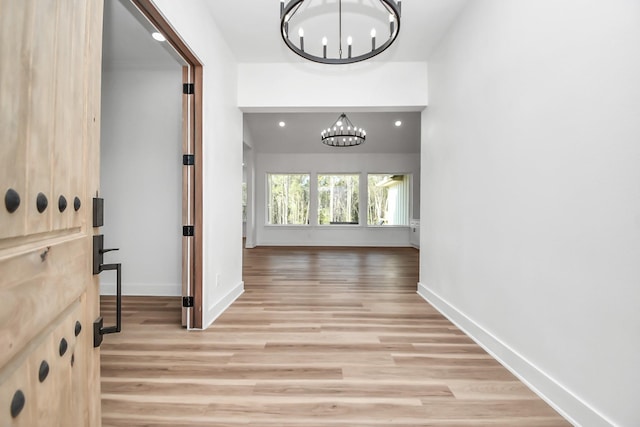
{"points": [[220, 306]]}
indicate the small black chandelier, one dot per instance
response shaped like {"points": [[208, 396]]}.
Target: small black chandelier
{"points": [[289, 10], [343, 133]]}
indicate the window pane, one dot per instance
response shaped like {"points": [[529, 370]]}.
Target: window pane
{"points": [[389, 199], [338, 199], [287, 199], [244, 202]]}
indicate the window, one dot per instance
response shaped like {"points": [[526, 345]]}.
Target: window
{"points": [[389, 199], [287, 199], [338, 199], [244, 202]]}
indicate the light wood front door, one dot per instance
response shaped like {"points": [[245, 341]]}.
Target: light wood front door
{"points": [[50, 61]]}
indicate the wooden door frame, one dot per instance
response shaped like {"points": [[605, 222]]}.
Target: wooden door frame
{"points": [[192, 144]]}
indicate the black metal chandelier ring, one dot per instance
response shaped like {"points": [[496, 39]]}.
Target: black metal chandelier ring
{"points": [[343, 133], [288, 10]]}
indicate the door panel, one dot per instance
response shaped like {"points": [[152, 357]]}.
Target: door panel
{"points": [[63, 112], [36, 287], [47, 376], [39, 119], [50, 61], [16, 28]]}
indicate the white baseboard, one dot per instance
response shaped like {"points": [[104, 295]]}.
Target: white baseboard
{"points": [[216, 309], [570, 406], [143, 289], [345, 244]]}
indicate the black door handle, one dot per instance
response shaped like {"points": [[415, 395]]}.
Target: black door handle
{"points": [[117, 327], [98, 267], [98, 329]]}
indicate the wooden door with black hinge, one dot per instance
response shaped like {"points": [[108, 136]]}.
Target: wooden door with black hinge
{"points": [[50, 62]]}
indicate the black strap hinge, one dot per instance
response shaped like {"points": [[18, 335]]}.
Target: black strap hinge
{"points": [[188, 230], [188, 88], [189, 159], [187, 302]]}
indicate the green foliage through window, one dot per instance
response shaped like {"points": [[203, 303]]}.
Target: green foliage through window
{"points": [[338, 199], [244, 202], [287, 199]]}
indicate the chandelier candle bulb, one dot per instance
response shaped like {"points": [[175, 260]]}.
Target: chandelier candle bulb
{"points": [[324, 46], [391, 24], [281, 6], [349, 42], [373, 39], [301, 34]]}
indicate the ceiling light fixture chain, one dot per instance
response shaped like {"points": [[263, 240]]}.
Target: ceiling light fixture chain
{"points": [[340, 27], [288, 11]]}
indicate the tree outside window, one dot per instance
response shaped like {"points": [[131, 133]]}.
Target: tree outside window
{"points": [[288, 199], [244, 202], [389, 199], [338, 199]]}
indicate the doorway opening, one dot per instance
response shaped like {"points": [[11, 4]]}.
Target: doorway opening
{"points": [[151, 170]]}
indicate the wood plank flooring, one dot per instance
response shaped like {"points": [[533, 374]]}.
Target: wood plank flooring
{"points": [[321, 337]]}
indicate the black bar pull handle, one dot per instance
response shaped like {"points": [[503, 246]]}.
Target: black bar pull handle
{"points": [[117, 327], [98, 267], [98, 329]]}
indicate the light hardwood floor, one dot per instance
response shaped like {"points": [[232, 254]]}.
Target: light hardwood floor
{"points": [[321, 337]]}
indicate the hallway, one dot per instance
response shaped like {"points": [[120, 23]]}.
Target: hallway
{"points": [[321, 337]]}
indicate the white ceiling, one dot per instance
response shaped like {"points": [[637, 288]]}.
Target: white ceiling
{"points": [[301, 133], [127, 41], [251, 29]]}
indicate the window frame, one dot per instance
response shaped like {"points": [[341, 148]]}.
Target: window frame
{"points": [[409, 207], [318, 204], [268, 196]]}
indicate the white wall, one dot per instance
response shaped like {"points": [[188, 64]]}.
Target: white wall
{"points": [[307, 85], [141, 178], [222, 269], [314, 164], [530, 229]]}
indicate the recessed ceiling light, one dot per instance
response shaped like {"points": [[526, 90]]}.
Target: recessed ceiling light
{"points": [[282, 124], [158, 36], [398, 123]]}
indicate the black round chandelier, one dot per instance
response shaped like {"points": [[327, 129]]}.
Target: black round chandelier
{"points": [[343, 133], [355, 52]]}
